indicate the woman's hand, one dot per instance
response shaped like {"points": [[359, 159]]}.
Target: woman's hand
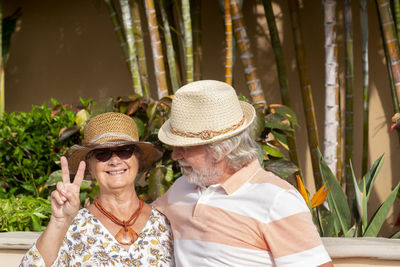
{"points": [[65, 199], [65, 206]]}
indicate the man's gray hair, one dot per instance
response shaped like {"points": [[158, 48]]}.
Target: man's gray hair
{"points": [[238, 151]]}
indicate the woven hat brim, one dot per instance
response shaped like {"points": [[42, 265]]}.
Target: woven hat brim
{"points": [[77, 153], [167, 137]]}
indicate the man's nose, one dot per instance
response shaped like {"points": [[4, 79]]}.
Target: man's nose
{"points": [[177, 153]]}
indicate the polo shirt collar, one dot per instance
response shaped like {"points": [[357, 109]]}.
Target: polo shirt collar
{"points": [[240, 177]]}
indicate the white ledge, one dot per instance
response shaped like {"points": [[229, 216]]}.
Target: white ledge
{"points": [[363, 247], [18, 240], [337, 247]]}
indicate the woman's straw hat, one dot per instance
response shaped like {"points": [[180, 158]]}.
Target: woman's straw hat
{"points": [[111, 130], [204, 112]]}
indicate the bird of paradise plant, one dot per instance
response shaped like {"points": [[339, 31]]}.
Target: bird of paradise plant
{"points": [[317, 200], [338, 220]]}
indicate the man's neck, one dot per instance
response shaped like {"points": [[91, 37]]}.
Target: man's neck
{"points": [[226, 171]]}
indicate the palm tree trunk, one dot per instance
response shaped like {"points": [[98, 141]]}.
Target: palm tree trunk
{"points": [[156, 46], [281, 67], [130, 38], [174, 16], [170, 49], [197, 51], [118, 29], [365, 71], [331, 86], [349, 117], [228, 41], [253, 82], [138, 33], [396, 4], [177, 6], [308, 103], [187, 22], [391, 42]]}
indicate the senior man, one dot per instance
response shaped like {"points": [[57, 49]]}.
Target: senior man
{"points": [[226, 210]]}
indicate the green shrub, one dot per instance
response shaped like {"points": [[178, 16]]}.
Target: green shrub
{"points": [[25, 213], [30, 149]]}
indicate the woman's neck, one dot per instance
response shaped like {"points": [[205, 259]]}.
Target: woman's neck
{"points": [[121, 205]]}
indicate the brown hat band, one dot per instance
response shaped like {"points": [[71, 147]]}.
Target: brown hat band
{"points": [[119, 135], [207, 134]]}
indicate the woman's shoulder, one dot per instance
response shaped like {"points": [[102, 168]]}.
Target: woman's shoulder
{"points": [[156, 215]]}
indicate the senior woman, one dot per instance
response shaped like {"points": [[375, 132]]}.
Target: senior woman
{"points": [[118, 229]]}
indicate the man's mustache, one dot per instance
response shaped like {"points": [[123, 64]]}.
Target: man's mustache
{"points": [[184, 163]]}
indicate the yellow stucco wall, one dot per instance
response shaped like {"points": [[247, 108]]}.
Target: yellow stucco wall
{"points": [[66, 49]]}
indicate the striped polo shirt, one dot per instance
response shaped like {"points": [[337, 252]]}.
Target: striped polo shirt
{"points": [[252, 219]]}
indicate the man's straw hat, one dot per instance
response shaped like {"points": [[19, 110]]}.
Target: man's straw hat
{"points": [[204, 112], [111, 130]]}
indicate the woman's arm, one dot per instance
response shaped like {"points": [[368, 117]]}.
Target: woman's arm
{"points": [[65, 206]]}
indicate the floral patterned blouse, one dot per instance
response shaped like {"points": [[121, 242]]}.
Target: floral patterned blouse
{"points": [[88, 243]]}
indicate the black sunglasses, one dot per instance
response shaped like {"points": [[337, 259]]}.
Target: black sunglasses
{"points": [[104, 154]]}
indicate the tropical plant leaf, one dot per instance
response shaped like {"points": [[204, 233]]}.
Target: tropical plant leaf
{"points": [[54, 178], [258, 126], [281, 167], [359, 195], [377, 220], [65, 133], [156, 185], [82, 117], [151, 111], [277, 121], [285, 111], [134, 97], [371, 175], [169, 175], [396, 235], [36, 223], [336, 199], [328, 224], [9, 24], [272, 151], [140, 126], [241, 97], [281, 138]]}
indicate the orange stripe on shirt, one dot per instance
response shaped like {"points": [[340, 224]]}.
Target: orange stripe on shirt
{"points": [[268, 177], [285, 239], [228, 228]]}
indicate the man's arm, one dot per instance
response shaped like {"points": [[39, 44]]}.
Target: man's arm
{"points": [[291, 234]]}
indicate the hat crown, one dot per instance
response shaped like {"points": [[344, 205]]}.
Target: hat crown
{"points": [[108, 127], [205, 105]]}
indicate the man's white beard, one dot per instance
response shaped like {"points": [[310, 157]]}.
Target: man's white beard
{"points": [[204, 177]]}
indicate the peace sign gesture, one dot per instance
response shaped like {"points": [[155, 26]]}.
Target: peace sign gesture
{"points": [[65, 199]]}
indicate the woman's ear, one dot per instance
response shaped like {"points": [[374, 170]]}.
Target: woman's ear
{"points": [[88, 166]]}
